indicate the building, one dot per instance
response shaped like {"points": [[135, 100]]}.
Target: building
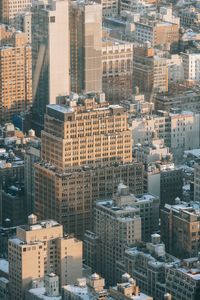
{"points": [[6, 232], [168, 16], [150, 71], [137, 6], [157, 33], [119, 222], [11, 10], [155, 151], [51, 55], [39, 249], [86, 151], [175, 69], [124, 200], [117, 64], [15, 77], [183, 99], [90, 288], [184, 281], [189, 17], [81, 124], [191, 64], [26, 25], [110, 8], [148, 126], [13, 204], [148, 264], [164, 180], [116, 227], [128, 289], [86, 46], [91, 250], [136, 105], [48, 292], [4, 288], [180, 228], [185, 131]]}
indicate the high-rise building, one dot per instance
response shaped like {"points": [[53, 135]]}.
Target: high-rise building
{"points": [[10, 10], [15, 76], [119, 222], [39, 249], [86, 43], [86, 151], [51, 54], [116, 227], [117, 63]]}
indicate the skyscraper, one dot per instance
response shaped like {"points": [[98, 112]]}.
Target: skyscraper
{"points": [[86, 151], [86, 43], [51, 53]]}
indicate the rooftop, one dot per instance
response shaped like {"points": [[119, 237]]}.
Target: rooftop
{"points": [[40, 225], [191, 208], [194, 273], [40, 293], [4, 266]]}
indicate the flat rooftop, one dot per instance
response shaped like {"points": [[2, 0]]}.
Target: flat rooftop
{"points": [[40, 293], [40, 225], [4, 266]]}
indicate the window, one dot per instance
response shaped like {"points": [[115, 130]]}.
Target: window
{"points": [[52, 19]]}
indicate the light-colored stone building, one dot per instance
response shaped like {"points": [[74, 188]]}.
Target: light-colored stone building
{"points": [[191, 64], [47, 289], [119, 222], [175, 69], [10, 10], [15, 75], [117, 64], [90, 288], [146, 127], [86, 151], [116, 226], [39, 249], [185, 131], [51, 54], [127, 289]]}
